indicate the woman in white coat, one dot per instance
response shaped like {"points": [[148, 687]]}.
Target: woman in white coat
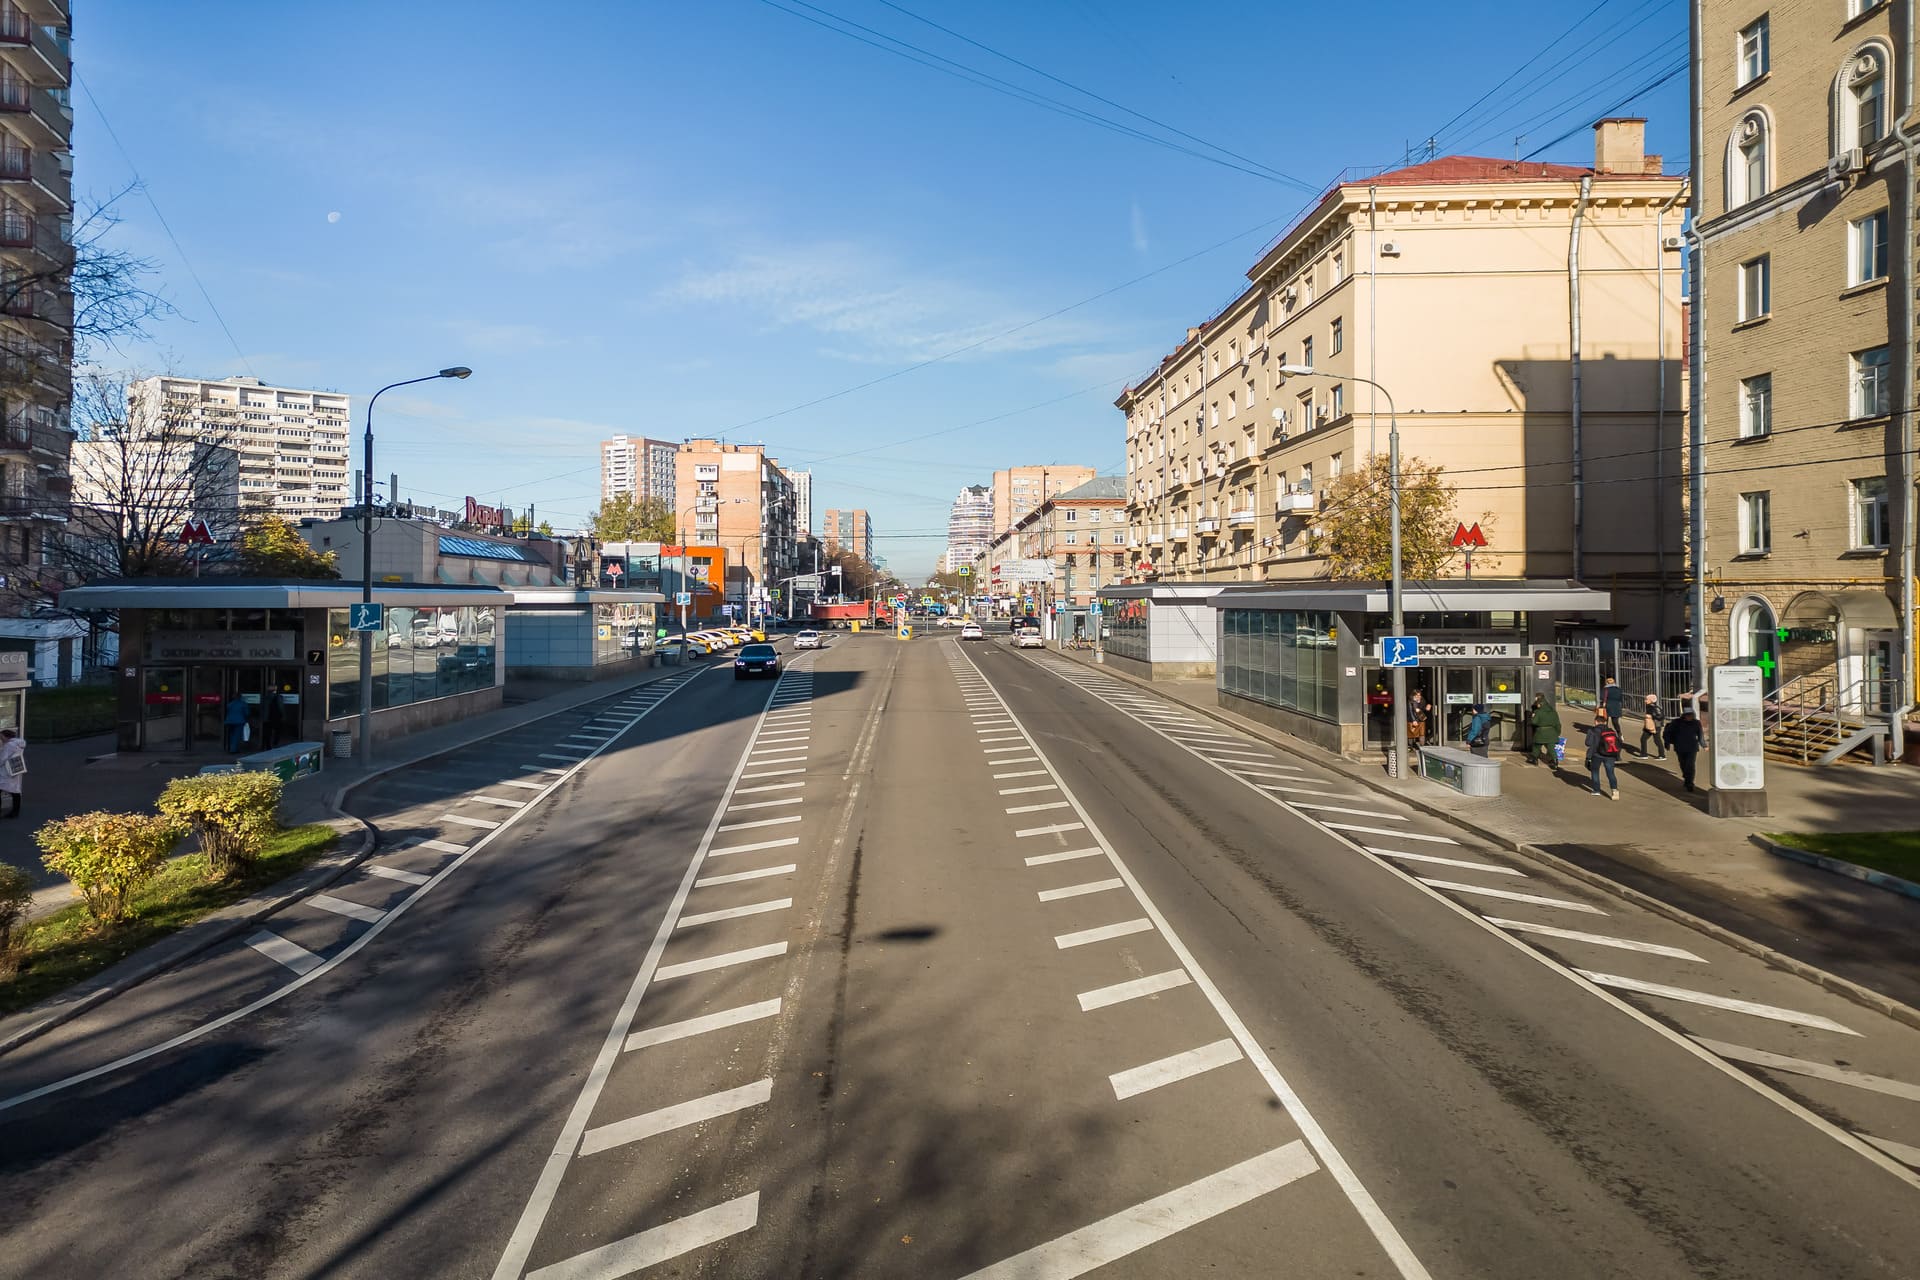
{"points": [[13, 771]]}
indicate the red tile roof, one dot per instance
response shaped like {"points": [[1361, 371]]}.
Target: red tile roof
{"points": [[1446, 169]]}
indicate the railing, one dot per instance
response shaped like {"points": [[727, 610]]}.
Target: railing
{"points": [[1207, 527], [1819, 701], [15, 94], [15, 26], [1241, 519]]}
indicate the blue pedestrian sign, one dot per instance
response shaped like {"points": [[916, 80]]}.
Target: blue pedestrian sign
{"points": [[366, 617], [1400, 651], [683, 598]]}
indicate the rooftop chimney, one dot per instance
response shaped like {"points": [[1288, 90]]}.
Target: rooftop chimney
{"points": [[1620, 145]]}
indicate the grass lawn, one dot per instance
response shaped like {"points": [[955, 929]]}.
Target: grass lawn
{"points": [[1895, 852], [64, 947], [81, 711]]}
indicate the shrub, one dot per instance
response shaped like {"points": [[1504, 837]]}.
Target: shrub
{"points": [[108, 856], [16, 895], [232, 813]]}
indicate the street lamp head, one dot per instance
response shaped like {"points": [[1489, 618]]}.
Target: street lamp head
{"points": [[1296, 370], [458, 371]]}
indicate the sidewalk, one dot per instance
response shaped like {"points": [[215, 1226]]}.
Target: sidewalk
{"points": [[1658, 840]]}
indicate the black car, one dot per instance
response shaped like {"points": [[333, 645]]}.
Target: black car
{"points": [[756, 660]]}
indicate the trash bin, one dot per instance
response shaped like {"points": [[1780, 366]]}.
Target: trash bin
{"points": [[340, 743]]}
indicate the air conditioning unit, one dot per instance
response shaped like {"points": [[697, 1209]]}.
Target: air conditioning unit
{"points": [[1851, 161], [1324, 415], [1389, 249], [1290, 294], [1673, 244]]}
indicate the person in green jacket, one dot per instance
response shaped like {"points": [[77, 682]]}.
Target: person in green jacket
{"points": [[1546, 730]]}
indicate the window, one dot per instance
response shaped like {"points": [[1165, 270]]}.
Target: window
{"points": [[1232, 405], [1071, 515], [1871, 521], [1756, 523], [1334, 465], [1756, 406], [1756, 288], [1306, 412], [1755, 55], [1748, 168], [1339, 271], [1872, 383], [1339, 336], [1093, 516], [1865, 122], [1118, 560], [1073, 538], [1339, 399], [1867, 249], [1306, 352], [1751, 631]]}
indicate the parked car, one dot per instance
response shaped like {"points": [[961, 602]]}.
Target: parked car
{"points": [[808, 640], [949, 621], [756, 660], [972, 631], [1027, 638]]}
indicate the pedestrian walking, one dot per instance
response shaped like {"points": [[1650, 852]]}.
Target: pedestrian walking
{"points": [[1479, 730], [1653, 719], [1545, 719], [13, 771], [235, 719], [1613, 701], [1685, 737], [1416, 719], [1603, 748], [271, 714]]}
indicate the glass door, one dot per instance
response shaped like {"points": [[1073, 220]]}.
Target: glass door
{"points": [[1461, 694], [163, 713], [210, 696], [1504, 697]]}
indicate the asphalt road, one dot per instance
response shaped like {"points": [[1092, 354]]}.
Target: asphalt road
{"points": [[936, 960]]}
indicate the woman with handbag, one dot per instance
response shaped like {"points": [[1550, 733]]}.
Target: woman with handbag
{"points": [[13, 770]]}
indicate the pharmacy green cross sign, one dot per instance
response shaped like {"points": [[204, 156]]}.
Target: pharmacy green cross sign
{"points": [[1766, 664]]}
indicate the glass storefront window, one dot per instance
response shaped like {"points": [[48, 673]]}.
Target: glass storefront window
{"points": [[1285, 658], [425, 652], [1126, 622]]}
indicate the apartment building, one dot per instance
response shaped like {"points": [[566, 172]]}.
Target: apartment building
{"points": [[1018, 490], [1449, 284], [735, 497], [154, 487], [802, 503], [969, 527], [850, 531], [639, 466], [293, 442], [1083, 532], [36, 299], [1804, 345]]}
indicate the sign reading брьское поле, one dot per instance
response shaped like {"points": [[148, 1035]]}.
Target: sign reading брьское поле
{"points": [[1465, 650], [221, 646]]}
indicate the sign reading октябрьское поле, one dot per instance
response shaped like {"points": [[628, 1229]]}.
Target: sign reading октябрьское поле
{"points": [[221, 646], [1464, 650]]}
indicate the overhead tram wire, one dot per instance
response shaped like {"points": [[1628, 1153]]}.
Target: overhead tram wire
{"points": [[1544, 50], [1606, 84], [1678, 68]]}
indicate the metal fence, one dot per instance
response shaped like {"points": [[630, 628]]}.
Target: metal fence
{"points": [[1641, 667]]}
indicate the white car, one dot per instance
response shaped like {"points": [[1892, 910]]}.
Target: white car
{"points": [[1028, 639], [807, 640], [972, 631], [949, 621]]}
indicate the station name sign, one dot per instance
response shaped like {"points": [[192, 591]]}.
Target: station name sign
{"points": [[221, 646], [1466, 650], [480, 514]]}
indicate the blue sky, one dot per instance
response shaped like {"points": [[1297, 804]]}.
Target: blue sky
{"points": [[691, 219]]}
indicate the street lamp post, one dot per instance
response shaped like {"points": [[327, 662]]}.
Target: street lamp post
{"points": [[366, 557], [1396, 588]]}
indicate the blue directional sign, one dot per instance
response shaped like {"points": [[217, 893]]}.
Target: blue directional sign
{"points": [[366, 617], [683, 598], [1400, 651]]}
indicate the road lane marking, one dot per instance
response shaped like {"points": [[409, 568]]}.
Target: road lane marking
{"points": [[734, 913], [1014, 760], [1389, 831], [994, 750], [1050, 830], [502, 801], [1132, 1230], [1602, 940], [771, 773], [704, 1023], [1818, 1070], [1291, 772], [1308, 791], [1334, 808], [484, 823], [548, 755], [1773, 1013], [442, 846], [1152, 984], [1508, 895], [395, 873], [767, 804], [1462, 863], [1008, 737], [700, 1110], [771, 786], [522, 782], [781, 821], [290, 954], [1038, 808], [1898, 1150], [1238, 758], [1022, 791], [1081, 890], [764, 873], [755, 847], [1169, 1070], [342, 907], [1105, 933], [657, 1244], [725, 960], [1021, 773], [1047, 859]]}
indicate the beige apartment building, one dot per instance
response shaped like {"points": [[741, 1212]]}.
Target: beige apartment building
{"points": [[638, 467], [1018, 490], [735, 497], [293, 442], [1804, 355], [849, 530], [1083, 533], [1525, 320]]}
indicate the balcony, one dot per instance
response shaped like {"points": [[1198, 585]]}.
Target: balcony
{"points": [[1156, 539], [40, 54], [1297, 502], [35, 177], [1179, 533], [32, 242], [1208, 528], [1243, 519], [36, 114], [32, 506]]}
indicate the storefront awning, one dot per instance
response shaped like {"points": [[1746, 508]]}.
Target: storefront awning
{"points": [[212, 593], [1426, 597]]}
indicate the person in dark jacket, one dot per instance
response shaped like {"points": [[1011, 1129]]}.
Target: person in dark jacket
{"points": [[1684, 736], [1653, 720], [1545, 719], [1603, 749], [239, 711], [1613, 701], [1479, 730]]}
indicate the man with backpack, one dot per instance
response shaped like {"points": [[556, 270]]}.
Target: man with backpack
{"points": [[1603, 749], [1479, 730]]}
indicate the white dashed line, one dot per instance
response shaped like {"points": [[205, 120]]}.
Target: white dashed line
{"points": [[395, 873], [738, 876], [1153, 984], [1180, 1066], [290, 954], [1460, 863], [1081, 890], [703, 1024], [1753, 1008], [1105, 933], [1602, 940], [1508, 895], [342, 907], [679, 1116], [725, 960], [733, 913], [486, 824], [1817, 1070], [1047, 859], [637, 1252]]}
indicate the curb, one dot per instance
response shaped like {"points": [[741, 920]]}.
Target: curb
{"points": [[220, 927], [1866, 997], [1839, 867]]}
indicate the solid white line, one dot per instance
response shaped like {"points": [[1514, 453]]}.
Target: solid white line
{"points": [[1152, 984], [1047, 859], [395, 873], [502, 801], [1022, 773], [485, 823], [442, 846], [734, 913], [679, 1116], [1132, 1230], [762, 874], [1389, 831], [1104, 933], [1818, 1070], [725, 960], [1081, 890], [703, 1024], [636, 1252], [1772, 1013], [1602, 940], [1898, 1150], [1022, 791], [1047, 831], [761, 822], [290, 954], [522, 782], [1180, 1066], [1334, 808], [767, 804], [755, 847], [1462, 863], [1508, 895], [1038, 808], [771, 786], [341, 907]]}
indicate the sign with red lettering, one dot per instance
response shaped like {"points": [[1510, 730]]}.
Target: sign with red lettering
{"points": [[1469, 536], [479, 514]]}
